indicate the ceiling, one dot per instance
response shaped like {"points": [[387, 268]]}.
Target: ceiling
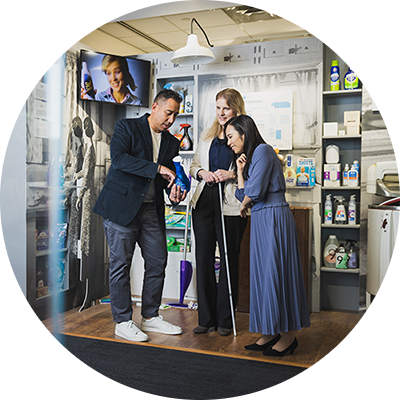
{"points": [[166, 27]]}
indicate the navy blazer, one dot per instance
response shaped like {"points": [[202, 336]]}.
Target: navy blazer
{"points": [[132, 169]]}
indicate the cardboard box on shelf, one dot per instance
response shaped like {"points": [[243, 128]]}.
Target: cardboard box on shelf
{"points": [[331, 128]]}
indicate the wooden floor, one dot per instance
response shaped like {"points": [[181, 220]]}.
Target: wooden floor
{"points": [[328, 329]]}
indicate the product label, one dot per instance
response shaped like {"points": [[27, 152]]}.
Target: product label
{"points": [[345, 178], [339, 258], [328, 216], [290, 177], [352, 176], [340, 215], [351, 81], [312, 176], [331, 175], [306, 161], [335, 82], [330, 258], [303, 175]]}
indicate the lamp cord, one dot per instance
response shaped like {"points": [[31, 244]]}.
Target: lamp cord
{"points": [[205, 35]]}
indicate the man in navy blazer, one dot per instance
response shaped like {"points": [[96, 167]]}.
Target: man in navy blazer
{"points": [[132, 206]]}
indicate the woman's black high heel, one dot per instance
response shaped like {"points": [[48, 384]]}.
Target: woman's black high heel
{"points": [[276, 353], [264, 346]]}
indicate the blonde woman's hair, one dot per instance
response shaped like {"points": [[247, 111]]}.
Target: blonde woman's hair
{"points": [[123, 64], [235, 101]]}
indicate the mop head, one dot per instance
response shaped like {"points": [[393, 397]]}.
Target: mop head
{"points": [[191, 305]]}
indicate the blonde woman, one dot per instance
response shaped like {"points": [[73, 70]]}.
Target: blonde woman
{"points": [[122, 84], [211, 165]]}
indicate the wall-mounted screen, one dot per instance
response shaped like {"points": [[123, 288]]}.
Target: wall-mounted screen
{"points": [[114, 79]]}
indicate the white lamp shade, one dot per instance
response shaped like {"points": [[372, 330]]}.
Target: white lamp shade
{"points": [[192, 53]]}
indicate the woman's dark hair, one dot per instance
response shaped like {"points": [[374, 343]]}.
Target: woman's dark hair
{"points": [[248, 130]]}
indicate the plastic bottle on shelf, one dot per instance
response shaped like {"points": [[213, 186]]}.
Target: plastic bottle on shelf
{"points": [[350, 80], [189, 103], [346, 175], [340, 214], [181, 92], [330, 251], [290, 173], [353, 176], [352, 254], [335, 76], [341, 257], [352, 210], [186, 141], [328, 210], [357, 167]]}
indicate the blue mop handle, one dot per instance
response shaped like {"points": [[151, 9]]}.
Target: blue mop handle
{"points": [[187, 221]]}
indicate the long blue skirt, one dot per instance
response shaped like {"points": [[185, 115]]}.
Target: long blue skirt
{"points": [[278, 301]]}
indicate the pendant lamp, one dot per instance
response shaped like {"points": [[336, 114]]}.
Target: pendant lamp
{"points": [[193, 53]]}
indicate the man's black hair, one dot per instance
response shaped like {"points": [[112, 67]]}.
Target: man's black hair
{"points": [[166, 94]]}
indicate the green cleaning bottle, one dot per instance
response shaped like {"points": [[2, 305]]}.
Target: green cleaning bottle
{"points": [[350, 80], [335, 75]]}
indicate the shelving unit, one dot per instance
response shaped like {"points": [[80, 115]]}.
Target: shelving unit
{"points": [[340, 287], [188, 84], [42, 263]]}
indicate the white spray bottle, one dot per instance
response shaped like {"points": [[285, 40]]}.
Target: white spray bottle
{"points": [[352, 210], [328, 210], [340, 214]]}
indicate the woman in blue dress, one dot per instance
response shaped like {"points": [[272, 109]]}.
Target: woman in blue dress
{"points": [[278, 303]]}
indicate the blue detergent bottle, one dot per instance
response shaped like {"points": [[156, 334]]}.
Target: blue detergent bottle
{"points": [[181, 179]]}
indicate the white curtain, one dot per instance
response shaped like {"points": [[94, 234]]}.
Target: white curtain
{"points": [[307, 89], [304, 85]]}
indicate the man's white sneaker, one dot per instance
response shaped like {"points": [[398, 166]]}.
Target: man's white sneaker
{"points": [[130, 331], [157, 324]]}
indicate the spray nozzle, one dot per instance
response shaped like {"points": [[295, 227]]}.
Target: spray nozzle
{"points": [[339, 199], [184, 126]]}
